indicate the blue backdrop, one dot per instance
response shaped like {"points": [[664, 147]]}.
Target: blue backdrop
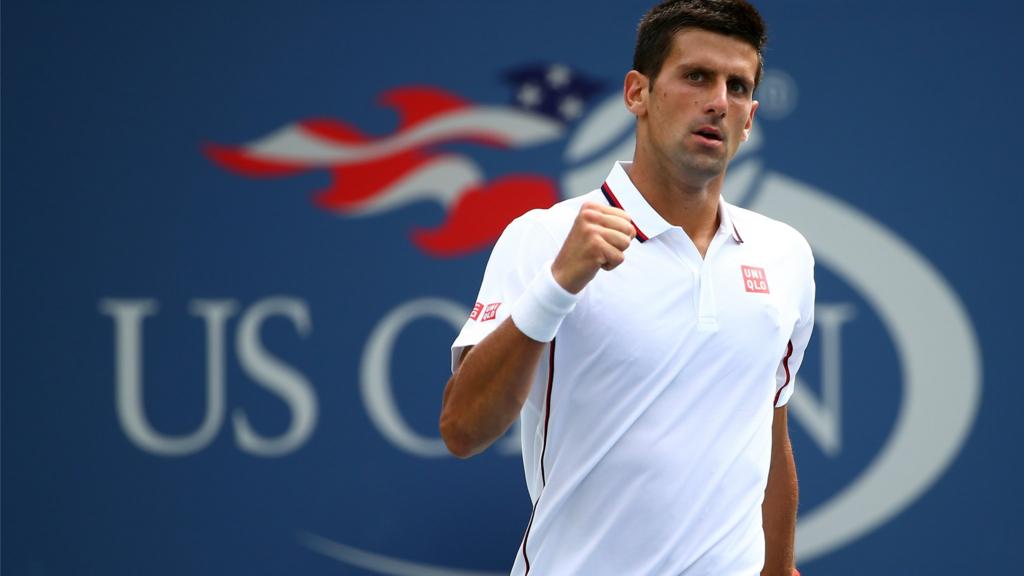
{"points": [[239, 237]]}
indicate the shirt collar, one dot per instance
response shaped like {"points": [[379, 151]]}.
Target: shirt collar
{"points": [[620, 192], [727, 224]]}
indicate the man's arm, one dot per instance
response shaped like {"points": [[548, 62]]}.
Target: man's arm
{"points": [[492, 382], [487, 391], [780, 502]]}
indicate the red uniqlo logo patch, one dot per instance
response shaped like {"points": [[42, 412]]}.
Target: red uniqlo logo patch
{"points": [[490, 312], [477, 308], [754, 280]]}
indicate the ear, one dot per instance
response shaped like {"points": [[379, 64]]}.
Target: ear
{"points": [[635, 92], [750, 120]]}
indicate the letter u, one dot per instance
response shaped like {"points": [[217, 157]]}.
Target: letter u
{"points": [[128, 316]]}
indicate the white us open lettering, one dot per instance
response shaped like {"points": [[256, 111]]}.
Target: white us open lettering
{"points": [[268, 371]]}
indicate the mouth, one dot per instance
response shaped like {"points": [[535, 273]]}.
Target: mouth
{"points": [[709, 134]]}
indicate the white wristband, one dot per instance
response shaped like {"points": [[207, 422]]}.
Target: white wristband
{"points": [[540, 310]]}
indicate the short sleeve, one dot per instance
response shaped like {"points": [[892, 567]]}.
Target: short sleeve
{"points": [[517, 257], [793, 355]]}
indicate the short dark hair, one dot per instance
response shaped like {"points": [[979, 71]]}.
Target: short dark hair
{"points": [[736, 18]]}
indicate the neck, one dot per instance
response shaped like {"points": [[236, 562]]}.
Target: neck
{"points": [[681, 199]]}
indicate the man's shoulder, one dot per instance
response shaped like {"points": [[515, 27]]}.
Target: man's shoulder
{"points": [[541, 231], [766, 230]]}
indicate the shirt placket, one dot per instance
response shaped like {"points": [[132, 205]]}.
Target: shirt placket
{"points": [[705, 300]]}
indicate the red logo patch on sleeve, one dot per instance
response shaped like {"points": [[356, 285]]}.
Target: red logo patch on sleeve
{"points": [[477, 308], [754, 280], [490, 312]]}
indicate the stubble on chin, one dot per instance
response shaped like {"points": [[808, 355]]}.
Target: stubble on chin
{"points": [[702, 166]]}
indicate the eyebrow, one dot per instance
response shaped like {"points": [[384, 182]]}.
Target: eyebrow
{"points": [[710, 71], [706, 69]]}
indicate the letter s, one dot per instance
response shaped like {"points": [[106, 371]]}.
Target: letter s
{"points": [[276, 376]]}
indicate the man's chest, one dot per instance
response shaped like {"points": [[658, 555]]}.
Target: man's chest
{"points": [[661, 303]]}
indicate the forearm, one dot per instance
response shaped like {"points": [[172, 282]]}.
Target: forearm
{"points": [[484, 396], [780, 506]]}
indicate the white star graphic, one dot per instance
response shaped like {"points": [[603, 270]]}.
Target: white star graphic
{"points": [[558, 76], [570, 107], [530, 95]]}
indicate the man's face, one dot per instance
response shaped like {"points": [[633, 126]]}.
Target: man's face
{"points": [[700, 106]]}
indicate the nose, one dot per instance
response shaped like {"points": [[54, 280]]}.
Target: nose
{"points": [[717, 99]]}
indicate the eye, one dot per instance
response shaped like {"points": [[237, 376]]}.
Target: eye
{"points": [[737, 87], [695, 76]]}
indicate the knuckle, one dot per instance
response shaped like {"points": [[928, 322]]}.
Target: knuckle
{"points": [[621, 240], [591, 230]]}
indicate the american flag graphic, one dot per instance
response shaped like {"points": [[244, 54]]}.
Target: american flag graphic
{"points": [[370, 175]]}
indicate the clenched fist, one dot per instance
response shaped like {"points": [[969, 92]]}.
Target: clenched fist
{"points": [[599, 236]]}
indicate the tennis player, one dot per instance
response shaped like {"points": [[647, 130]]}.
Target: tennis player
{"points": [[647, 334]]}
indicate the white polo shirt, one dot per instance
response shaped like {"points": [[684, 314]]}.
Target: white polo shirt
{"points": [[647, 432]]}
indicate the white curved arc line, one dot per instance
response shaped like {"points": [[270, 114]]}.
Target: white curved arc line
{"points": [[443, 180], [740, 180], [941, 368], [608, 120], [379, 563], [293, 144]]}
